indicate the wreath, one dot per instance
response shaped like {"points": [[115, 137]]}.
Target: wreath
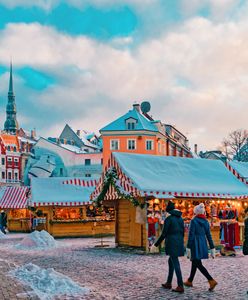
{"points": [[111, 178]]}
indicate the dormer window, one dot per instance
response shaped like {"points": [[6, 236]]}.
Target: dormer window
{"points": [[131, 124]]}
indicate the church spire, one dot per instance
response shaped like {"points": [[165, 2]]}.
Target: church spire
{"points": [[11, 91], [11, 124]]}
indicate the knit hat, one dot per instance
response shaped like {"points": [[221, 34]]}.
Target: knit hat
{"points": [[199, 209], [170, 206]]}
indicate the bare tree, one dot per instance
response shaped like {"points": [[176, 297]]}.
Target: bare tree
{"points": [[234, 142]]}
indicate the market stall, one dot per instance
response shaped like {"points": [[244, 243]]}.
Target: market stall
{"points": [[62, 206], [141, 186], [14, 202]]}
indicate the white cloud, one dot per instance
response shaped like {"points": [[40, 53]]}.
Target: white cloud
{"points": [[98, 82]]}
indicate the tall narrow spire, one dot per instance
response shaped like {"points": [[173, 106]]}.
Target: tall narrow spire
{"points": [[11, 124], [11, 80]]}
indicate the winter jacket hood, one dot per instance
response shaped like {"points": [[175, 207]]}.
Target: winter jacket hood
{"points": [[176, 213]]}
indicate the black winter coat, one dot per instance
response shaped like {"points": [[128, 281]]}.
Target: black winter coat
{"points": [[3, 219], [246, 230], [173, 234]]}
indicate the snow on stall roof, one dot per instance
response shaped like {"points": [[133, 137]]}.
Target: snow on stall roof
{"points": [[178, 174], [49, 190], [240, 167]]}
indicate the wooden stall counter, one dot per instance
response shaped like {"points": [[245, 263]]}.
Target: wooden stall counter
{"points": [[19, 225], [81, 228]]}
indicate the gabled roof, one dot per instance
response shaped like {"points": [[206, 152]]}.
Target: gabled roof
{"points": [[147, 175], [11, 140], [120, 124]]}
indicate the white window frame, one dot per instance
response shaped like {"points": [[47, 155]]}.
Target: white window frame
{"points": [[118, 144], [152, 145], [9, 172], [130, 122], [159, 147], [9, 159], [16, 159], [16, 175], [135, 144]]}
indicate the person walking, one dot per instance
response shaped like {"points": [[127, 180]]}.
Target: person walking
{"points": [[197, 249], [245, 244], [3, 221], [173, 234]]}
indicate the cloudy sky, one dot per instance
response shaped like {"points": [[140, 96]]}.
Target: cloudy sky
{"points": [[85, 62]]}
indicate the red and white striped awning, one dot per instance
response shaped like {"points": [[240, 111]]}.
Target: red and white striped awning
{"points": [[36, 204], [15, 197], [236, 173], [81, 182]]}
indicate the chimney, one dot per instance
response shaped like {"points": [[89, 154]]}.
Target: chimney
{"points": [[136, 106], [195, 147], [33, 133], [78, 132]]}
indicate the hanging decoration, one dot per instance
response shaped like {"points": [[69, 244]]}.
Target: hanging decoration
{"points": [[111, 178]]}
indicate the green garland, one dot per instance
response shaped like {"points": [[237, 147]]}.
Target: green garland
{"points": [[111, 178]]}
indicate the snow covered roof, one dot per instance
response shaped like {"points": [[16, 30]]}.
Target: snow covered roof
{"points": [[177, 176], [142, 123], [240, 167], [73, 148], [54, 191]]}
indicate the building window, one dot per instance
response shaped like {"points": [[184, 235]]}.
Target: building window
{"points": [[131, 144], [149, 144], [87, 162], [101, 161], [3, 175], [61, 172], [8, 148], [131, 124], [3, 161], [9, 159], [9, 176], [87, 175], [16, 176], [14, 148], [114, 144]]}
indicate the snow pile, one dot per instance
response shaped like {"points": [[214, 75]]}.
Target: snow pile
{"points": [[47, 283], [37, 240], [2, 235]]}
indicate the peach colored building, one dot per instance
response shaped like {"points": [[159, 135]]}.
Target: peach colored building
{"points": [[137, 132]]}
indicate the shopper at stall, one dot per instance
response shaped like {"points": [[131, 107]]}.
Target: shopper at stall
{"points": [[3, 221], [245, 244], [197, 248], [173, 234]]}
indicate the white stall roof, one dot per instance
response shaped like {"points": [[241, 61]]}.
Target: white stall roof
{"points": [[179, 176], [56, 191]]}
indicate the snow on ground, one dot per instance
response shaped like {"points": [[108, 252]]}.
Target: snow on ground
{"points": [[2, 235], [47, 283], [37, 240]]}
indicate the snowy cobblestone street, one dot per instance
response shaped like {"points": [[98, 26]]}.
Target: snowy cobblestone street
{"points": [[115, 274]]}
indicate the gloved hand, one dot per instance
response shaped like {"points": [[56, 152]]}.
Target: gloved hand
{"points": [[212, 253], [153, 249], [188, 253]]}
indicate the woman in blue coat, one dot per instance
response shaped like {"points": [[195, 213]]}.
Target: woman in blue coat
{"points": [[197, 248]]}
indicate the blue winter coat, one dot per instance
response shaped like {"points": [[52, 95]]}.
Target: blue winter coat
{"points": [[199, 234], [173, 233]]}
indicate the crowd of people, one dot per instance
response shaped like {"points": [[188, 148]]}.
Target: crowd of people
{"points": [[199, 239]]}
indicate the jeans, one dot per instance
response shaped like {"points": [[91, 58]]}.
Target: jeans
{"points": [[197, 264], [174, 265], [2, 228]]}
